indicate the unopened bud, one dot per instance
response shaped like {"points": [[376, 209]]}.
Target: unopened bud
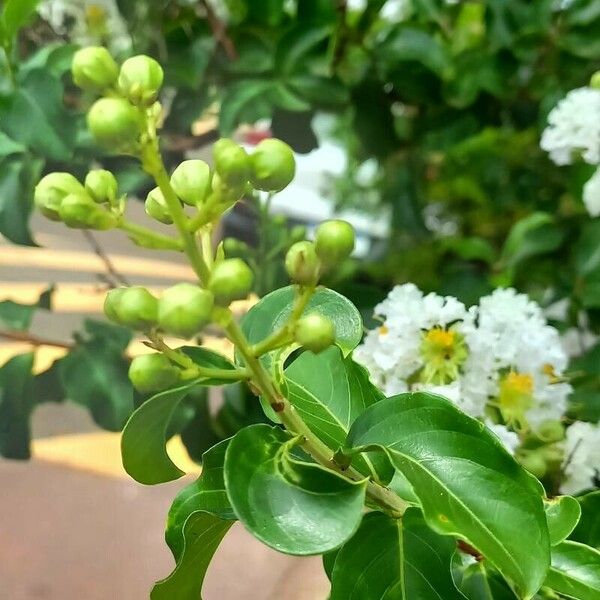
{"points": [[334, 242], [156, 207], [94, 69], [80, 212], [52, 190], [140, 80], [102, 186], [184, 309], [273, 165], [191, 181], [153, 373], [133, 307], [232, 163], [230, 280], [114, 123], [302, 263], [315, 333]]}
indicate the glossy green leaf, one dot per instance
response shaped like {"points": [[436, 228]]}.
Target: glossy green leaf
{"points": [[295, 47], [94, 374], [399, 559], [588, 528], [207, 494], [202, 534], [16, 13], [467, 484], [293, 506], [143, 443], [16, 403], [575, 571], [246, 100], [562, 513], [329, 393], [478, 582], [272, 312]]}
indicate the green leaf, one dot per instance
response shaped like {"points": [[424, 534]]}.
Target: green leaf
{"points": [[144, 438], [94, 374], [202, 535], [16, 197], [273, 311], [8, 146], [19, 316], [245, 100], [329, 393], [477, 582], [399, 559], [16, 404], [575, 571], [295, 47], [562, 513], [207, 494], [587, 249], [467, 483], [588, 528], [16, 13], [293, 506]]}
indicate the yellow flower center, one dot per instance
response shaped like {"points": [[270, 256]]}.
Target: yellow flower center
{"points": [[443, 352], [95, 16], [516, 398], [383, 330]]}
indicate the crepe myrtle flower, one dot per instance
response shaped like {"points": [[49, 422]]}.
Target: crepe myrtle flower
{"points": [[581, 462]]}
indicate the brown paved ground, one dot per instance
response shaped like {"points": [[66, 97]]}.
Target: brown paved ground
{"points": [[71, 535]]}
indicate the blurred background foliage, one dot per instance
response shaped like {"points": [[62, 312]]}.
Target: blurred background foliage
{"points": [[438, 106]]}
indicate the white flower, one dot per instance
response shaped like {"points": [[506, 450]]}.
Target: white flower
{"points": [[591, 194], [88, 22], [574, 127], [581, 464], [510, 440]]}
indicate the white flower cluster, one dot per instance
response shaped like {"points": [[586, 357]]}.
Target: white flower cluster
{"points": [[500, 355], [581, 465], [87, 22], [574, 131]]}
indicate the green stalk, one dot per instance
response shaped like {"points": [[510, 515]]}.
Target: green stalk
{"points": [[161, 241]]}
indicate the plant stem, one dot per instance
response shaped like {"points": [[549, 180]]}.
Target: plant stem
{"points": [[22, 336], [153, 238]]}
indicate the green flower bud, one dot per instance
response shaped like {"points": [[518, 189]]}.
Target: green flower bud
{"points": [[52, 190], [184, 309], [156, 207], [224, 194], [235, 248], [102, 186], [551, 431], [94, 69], [191, 181], [153, 373], [314, 332], [114, 123], [140, 80], [334, 242], [230, 280], [297, 233], [134, 307], [595, 80], [273, 165], [231, 162], [111, 302], [80, 212], [302, 263], [534, 462]]}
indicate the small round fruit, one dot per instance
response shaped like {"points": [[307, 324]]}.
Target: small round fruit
{"points": [[111, 303], [302, 263], [191, 181], [94, 69], [114, 123], [334, 242], [232, 163], [230, 280], [273, 165], [153, 373], [315, 333], [52, 190], [137, 308], [140, 80], [80, 212], [184, 309], [101, 185], [156, 207]]}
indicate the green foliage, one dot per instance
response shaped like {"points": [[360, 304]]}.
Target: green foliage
{"points": [[563, 513], [575, 571]]}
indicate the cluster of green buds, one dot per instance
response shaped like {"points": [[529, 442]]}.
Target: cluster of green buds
{"points": [[91, 205]]}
